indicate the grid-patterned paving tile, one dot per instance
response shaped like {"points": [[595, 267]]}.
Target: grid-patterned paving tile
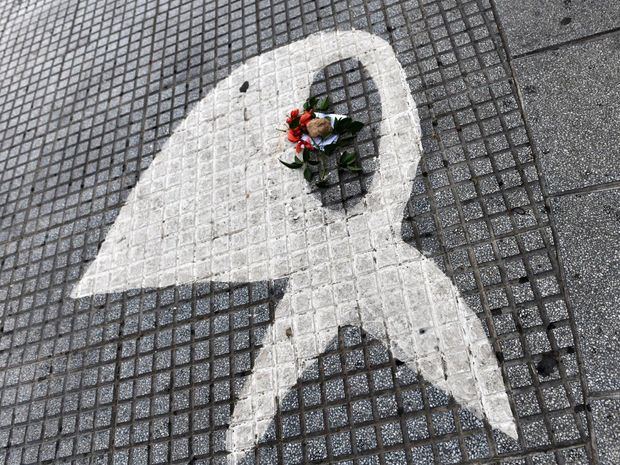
{"points": [[359, 403], [89, 94]]}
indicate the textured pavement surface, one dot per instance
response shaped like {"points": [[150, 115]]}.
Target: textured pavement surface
{"points": [[515, 198]]}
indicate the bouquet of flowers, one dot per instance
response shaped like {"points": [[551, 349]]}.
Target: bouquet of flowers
{"points": [[318, 135]]}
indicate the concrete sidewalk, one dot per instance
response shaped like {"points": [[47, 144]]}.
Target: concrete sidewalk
{"points": [[566, 68], [515, 199]]}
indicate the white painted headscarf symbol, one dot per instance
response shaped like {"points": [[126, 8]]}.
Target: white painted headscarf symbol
{"points": [[215, 205]]}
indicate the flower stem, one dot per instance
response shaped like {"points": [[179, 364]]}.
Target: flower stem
{"points": [[322, 158]]}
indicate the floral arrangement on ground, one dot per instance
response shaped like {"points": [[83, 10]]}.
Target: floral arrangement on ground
{"points": [[319, 135]]}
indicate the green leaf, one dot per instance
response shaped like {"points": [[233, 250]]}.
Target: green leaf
{"points": [[323, 104], [307, 173], [306, 155], [322, 183], [294, 165], [342, 125], [355, 127], [310, 103], [343, 141], [294, 124], [329, 149], [347, 158]]}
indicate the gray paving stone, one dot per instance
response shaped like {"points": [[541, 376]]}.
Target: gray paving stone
{"points": [[533, 24], [93, 91], [589, 240], [572, 103], [606, 416]]}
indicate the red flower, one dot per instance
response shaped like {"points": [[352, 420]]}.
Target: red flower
{"points": [[293, 135], [306, 117], [303, 144], [293, 118]]}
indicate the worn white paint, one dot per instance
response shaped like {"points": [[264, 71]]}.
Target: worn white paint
{"points": [[215, 205]]}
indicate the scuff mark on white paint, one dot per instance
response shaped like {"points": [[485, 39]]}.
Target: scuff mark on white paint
{"points": [[216, 206]]}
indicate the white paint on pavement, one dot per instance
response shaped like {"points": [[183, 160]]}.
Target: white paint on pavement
{"points": [[215, 205]]}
